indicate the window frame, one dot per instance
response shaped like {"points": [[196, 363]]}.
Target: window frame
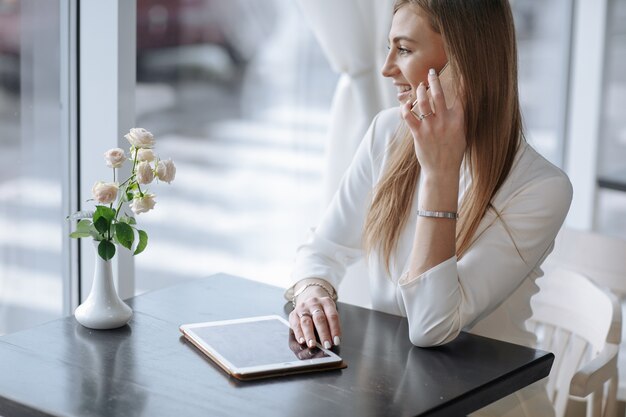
{"points": [[106, 109]]}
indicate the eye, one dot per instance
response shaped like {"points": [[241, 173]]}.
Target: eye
{"points": [[403, 51]]}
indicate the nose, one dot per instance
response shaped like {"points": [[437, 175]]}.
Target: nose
{"points": [[389, 67]]}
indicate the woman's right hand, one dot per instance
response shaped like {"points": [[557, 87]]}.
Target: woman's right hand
{"points": [[315, 310]]}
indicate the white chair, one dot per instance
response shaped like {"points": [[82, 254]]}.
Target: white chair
{"points": [[602, 258], [581, 324]]}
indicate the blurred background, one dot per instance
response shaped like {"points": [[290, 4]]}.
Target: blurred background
{"points": [[238, 93]]}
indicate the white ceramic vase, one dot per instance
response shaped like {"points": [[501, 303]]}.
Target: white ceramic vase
{"points": [[103, 308]]}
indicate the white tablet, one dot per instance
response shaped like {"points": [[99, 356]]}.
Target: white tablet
{"points": [[256, 347]]}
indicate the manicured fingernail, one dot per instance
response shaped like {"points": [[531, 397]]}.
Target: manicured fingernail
{"points": [[326, 344], [432, 71], [311, 343], [336, 340], [301, 340]]}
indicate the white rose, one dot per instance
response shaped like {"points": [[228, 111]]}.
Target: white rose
{"points": [[104, 192], [142, 204], [114, 157], [140, 138], [166, 171], [145, 155], [145, 175]]}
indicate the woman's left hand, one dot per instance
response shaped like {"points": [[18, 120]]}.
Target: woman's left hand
{"points": [[439, 137]]}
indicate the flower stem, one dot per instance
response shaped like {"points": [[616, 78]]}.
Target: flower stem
{"points": [[120, 199]]}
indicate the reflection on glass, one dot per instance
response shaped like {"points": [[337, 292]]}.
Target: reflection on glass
{"points": [[543, 36], [302, 351], [612, 151], [30, 173], [238, 94], [613, 125]]}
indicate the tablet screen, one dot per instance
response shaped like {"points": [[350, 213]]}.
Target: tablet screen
{"points": [[256, 343], [258, 347]]}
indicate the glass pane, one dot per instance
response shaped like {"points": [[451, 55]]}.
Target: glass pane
{"points": [[543, 35], [612, 151], [237, 93], [30, 173]]}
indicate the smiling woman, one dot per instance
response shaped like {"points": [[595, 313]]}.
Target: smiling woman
{"points": [[414, 48], [452, 209]]}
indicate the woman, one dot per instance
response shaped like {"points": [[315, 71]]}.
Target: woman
{"points": [[454, 211]]}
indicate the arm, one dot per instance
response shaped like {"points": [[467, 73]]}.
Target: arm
{"points": [[441, 295], [441, 301], [331, 247], [439, 147]]}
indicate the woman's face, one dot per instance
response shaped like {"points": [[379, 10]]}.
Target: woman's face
{"points": [[414, 48]]}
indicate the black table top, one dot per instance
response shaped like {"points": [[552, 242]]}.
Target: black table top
{"points": [[147, 369]]}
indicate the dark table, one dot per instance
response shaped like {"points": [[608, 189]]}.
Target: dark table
{"points": [[147, 369]]}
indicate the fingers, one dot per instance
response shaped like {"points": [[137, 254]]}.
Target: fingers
{"points": [[308, 328], [294, 322], [316, 314], [323, 328], [436, 91], [422, 102], [330, 310], [303, 352], [410, 116]]}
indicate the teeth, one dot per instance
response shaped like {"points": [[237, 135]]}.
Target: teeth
{"points": [[404, 89]]}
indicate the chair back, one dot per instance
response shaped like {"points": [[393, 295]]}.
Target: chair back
{"points": [[602, 258], [581, 324]]}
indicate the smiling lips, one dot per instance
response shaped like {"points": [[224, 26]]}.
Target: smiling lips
{"points": [[405, 92]]}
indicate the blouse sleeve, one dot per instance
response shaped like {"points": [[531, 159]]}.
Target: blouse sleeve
{"points": [[442, 301], [336, 242]]}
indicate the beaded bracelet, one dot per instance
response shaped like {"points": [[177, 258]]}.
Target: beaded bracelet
{"points": [[331, 293]]}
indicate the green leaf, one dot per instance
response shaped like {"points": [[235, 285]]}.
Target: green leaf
{"points": [[106, 250], [143, 242], [102, 225], [127, 219], [103, 211], [84, 226], [83, 229], [124, 234]]}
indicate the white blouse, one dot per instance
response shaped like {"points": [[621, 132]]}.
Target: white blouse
{"points": [[488, 291]]}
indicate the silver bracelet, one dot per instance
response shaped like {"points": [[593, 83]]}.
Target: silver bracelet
{"points": [[331, 293], [438, 214]]}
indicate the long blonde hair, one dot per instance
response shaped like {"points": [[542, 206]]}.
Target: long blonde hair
{"points": [[479, 38]]}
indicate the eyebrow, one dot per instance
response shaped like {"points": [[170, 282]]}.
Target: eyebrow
{"points": [[402, 38]]}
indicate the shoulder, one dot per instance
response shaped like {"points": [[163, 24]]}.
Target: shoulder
{"points": [[382, 130], [387, 119], [534, 178]]}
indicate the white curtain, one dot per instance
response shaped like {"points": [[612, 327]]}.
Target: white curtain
{"points": [[353, 35]]}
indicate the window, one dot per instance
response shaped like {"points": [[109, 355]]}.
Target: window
{"points": [[31, 164], [611, 209], [543, 36], [238, 94]]}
